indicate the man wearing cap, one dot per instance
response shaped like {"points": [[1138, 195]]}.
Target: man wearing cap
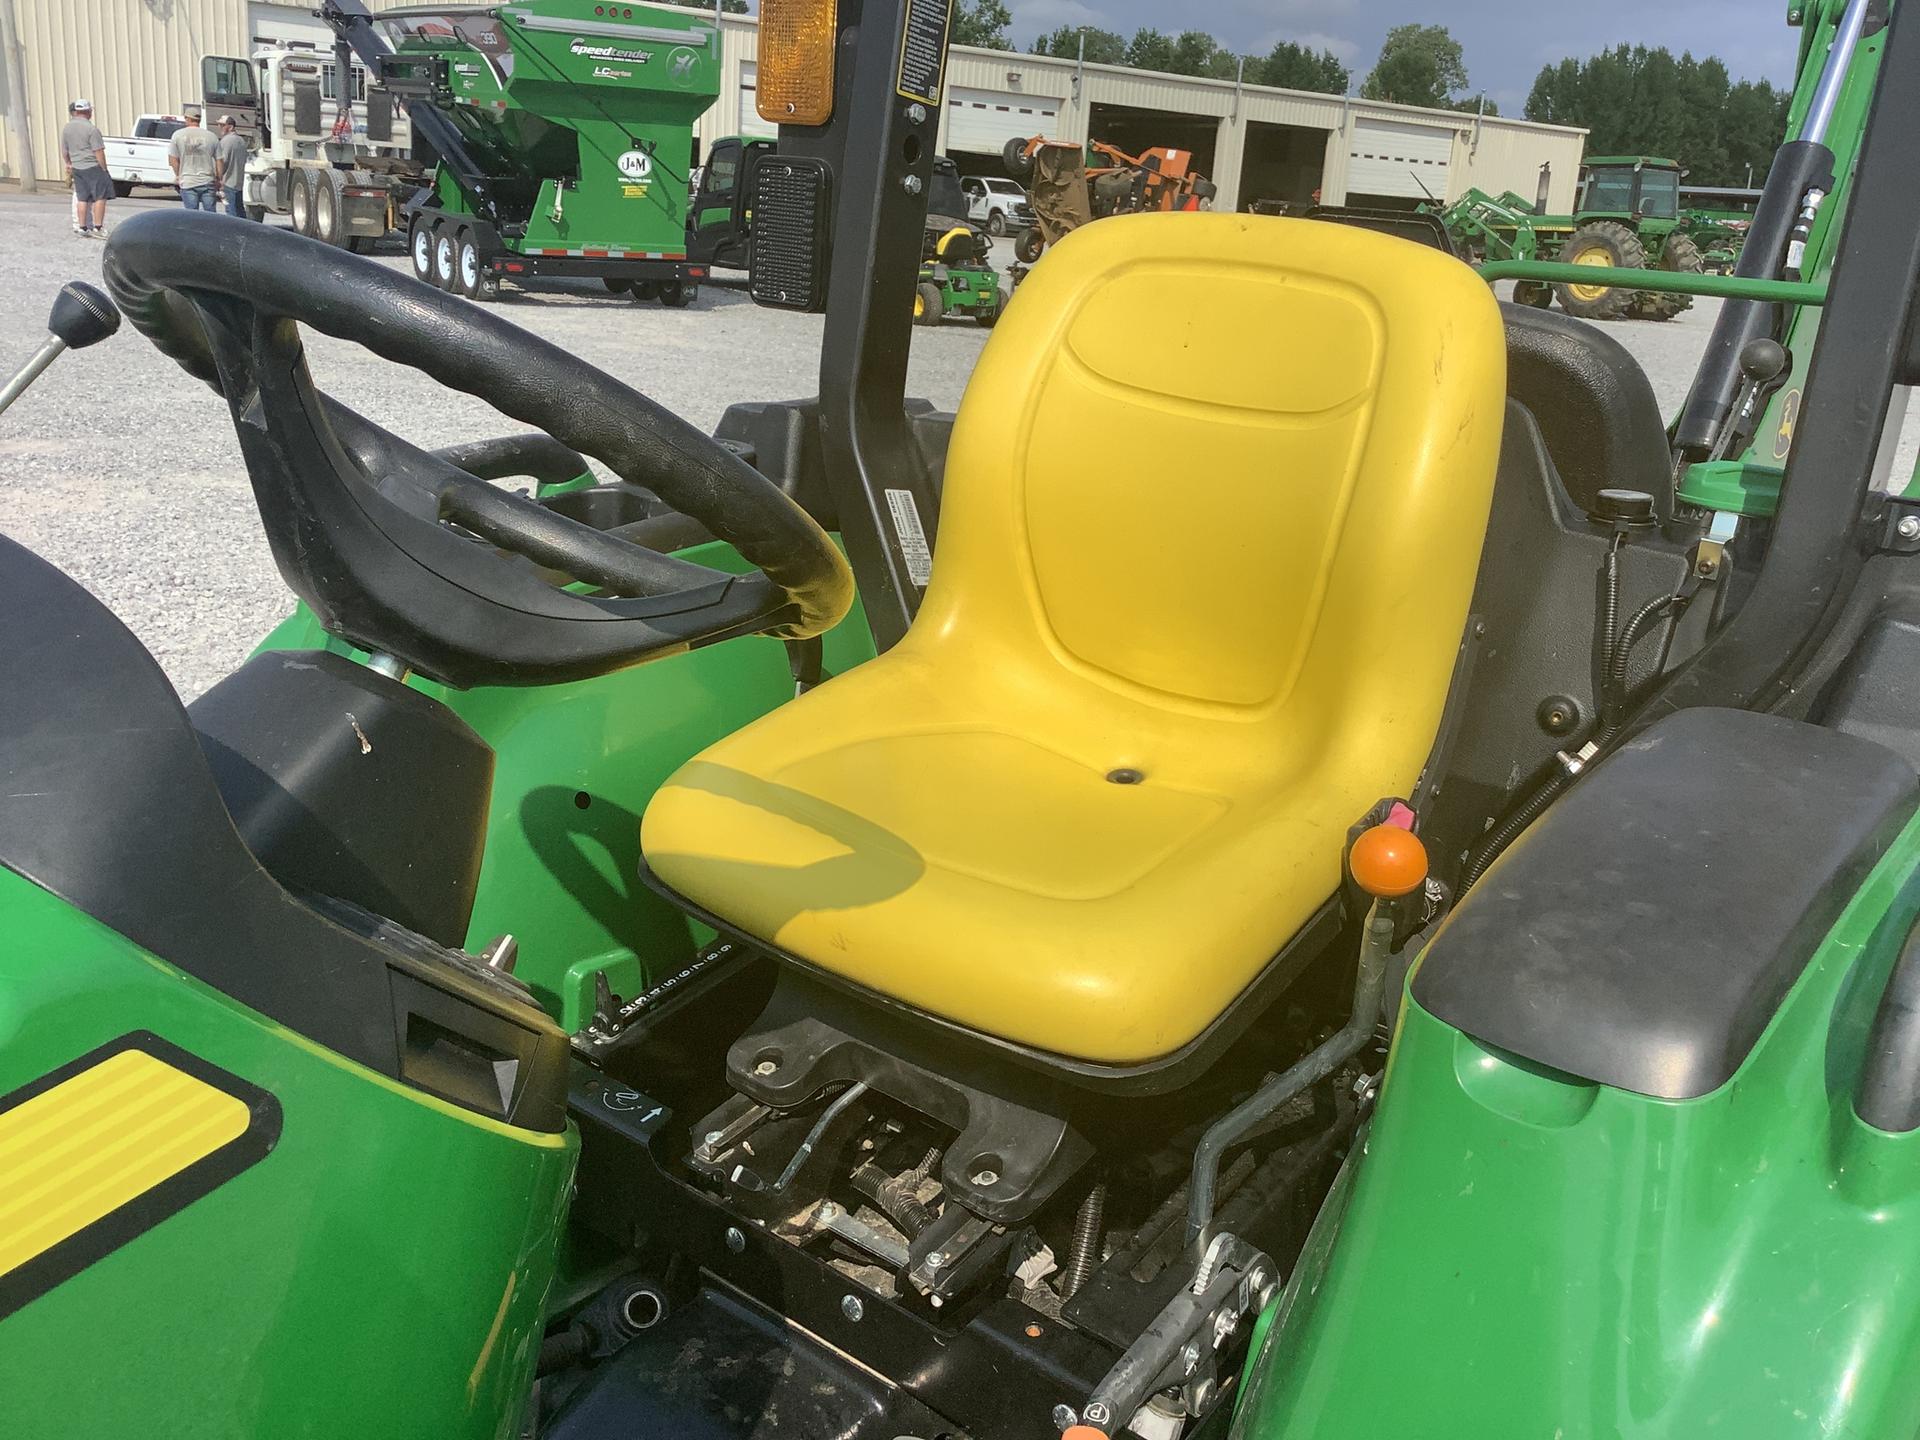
{"points": [[85, 154], [193, 155], [230, 164]]}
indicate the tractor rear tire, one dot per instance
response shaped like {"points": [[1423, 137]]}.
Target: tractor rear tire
{"points": [[1028, 244], [420, 249], [1682, 256], [1014, 156], [929, 304], [1604, 242]]}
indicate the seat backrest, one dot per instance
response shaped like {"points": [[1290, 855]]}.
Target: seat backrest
{"points": [[1231, 467]]}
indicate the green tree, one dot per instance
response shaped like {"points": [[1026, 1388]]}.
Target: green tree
{"points": [[1639, 101], [1418, 65], [982, 23], [1103, 46], [1150, 50], [733, 7], [1294, 67]]}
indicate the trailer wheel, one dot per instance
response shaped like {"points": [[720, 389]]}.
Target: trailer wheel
{"points": [[420, 249], [1015, 157], [329, 223], [1605, 242], [301, 204], [471, 280], [616, 286], [1028, 244], [678, 294], [929, 303], [446, 260], [642, 290]]}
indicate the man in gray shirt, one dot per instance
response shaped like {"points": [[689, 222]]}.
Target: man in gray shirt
{"points": [[231, 157], [193, 156], [84, 153]]}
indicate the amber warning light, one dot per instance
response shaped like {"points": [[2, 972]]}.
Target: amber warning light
{"points": [[793, 84]]}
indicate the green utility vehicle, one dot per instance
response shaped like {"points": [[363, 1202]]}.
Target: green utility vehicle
{"points": [[563, 130], [1123, 910], [1627, 217]]}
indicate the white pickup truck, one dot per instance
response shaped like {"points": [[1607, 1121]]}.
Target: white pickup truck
{"points": [[141, 158]]}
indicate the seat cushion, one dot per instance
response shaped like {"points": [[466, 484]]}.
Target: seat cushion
{"points": [[1211, 518], [997, 878]]}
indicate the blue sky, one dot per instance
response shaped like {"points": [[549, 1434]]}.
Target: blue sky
{"points": [[1506, 42]]}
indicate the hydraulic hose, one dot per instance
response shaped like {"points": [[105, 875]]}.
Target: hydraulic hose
{"points": [[1368, 986]]}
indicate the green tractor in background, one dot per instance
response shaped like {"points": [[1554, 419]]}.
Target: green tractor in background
{"points": [[1627, 217]]}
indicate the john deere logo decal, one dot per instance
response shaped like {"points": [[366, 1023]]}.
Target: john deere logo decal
{"points": [[636, 165], [681, 64]]}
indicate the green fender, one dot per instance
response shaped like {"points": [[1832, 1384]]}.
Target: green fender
{"points": [[1515, 1253]]}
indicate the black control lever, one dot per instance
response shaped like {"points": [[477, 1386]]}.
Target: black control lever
{"points": [[82, 316]]}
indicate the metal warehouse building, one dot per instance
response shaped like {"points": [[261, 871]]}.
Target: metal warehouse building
{"points": [[133, 56]]}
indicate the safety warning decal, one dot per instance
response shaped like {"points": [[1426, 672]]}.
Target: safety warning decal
{"points": [[912, 536], [923, 49]]}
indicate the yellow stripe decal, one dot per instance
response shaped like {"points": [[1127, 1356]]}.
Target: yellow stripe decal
{"points": [[87, 1153]]}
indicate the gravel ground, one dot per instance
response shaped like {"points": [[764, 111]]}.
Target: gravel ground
{"points": [[125, 473]]}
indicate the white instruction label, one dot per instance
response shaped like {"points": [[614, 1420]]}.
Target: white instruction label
{"points": [[912, 536]]}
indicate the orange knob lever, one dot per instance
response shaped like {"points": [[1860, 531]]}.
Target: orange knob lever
{"points": [[1388, 862]]}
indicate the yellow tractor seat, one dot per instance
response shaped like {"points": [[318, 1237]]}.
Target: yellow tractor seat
{"points": [[1212, 513]]}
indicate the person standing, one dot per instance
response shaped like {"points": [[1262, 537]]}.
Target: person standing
{"points": [[85, 155], [230, 163], [192, 154]]}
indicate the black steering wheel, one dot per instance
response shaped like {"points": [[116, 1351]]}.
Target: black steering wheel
{"points": [[403, 551]]}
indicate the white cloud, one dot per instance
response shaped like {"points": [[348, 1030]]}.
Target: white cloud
{"points": [[1345, 50], [1041, 17]]}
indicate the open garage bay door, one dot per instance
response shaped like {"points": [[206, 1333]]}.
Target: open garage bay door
{"points": [[1393, 157], [981, 122]]}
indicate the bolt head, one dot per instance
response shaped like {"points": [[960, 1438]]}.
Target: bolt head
{"points": [[736, 1242], [912, 185], [936, 1259], [1190, 1356], [712, 1137], [985, 1179], [1909, 527], [766, 1067], [916, 114], [1063, 1416], [851, 1307]]}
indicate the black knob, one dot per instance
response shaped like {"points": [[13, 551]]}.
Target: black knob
{"points": [[1624, 507], [1762, 360], [82, 315]]}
